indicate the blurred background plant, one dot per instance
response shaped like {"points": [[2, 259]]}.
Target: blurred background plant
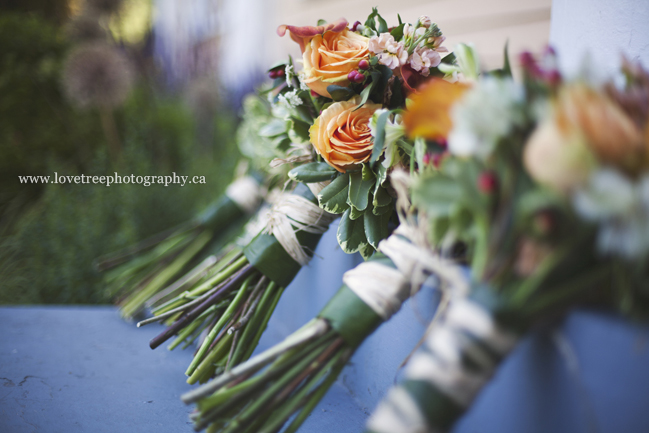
{"points": [[81, 94]]}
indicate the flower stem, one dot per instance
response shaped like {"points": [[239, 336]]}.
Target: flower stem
{"points": [[193, 314]]}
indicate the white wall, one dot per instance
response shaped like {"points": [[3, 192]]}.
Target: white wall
{"points": [[603, 28]]}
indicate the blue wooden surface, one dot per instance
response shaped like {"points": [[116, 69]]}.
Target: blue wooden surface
{"points": [[80, 369]]}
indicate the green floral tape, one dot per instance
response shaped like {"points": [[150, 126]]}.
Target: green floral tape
{"points": [[220, 214], [352, 318]]}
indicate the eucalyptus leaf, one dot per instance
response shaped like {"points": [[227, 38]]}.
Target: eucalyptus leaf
{"points": [[312, 172], [351, 233], [359, 190], [333, 197], [322, 22]]}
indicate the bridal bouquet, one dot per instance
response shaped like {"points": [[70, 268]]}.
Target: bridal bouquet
{"points": [[345, 105], [547, 184], [359, 143]]}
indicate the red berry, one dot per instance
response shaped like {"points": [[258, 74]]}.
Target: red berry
{"points": [[272, 74], [427, 158], [437, 159], [314, 94], [442, 142], [487, 182], [364, 65], [352, 76], [355, 26], [280, 73]]}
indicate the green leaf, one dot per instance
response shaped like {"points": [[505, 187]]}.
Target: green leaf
{"points": [[322, 22], [351, 233], [367, 172], [355, 213], [276, 65], [312, 172], [381, 197], [380, 77], [381, 176], [382, 210], [340, 93], [379, 139], [301, 129], [397, 32], [371, 23], [420, 151], [437, 194], [365, 94], [273, 128], [507, 69], [359, 190], [376, 227], [367, 251], [333, 197], [439, 228]]}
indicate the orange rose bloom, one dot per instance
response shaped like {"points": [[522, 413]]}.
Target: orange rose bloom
{"points": [[342, 136], [329, 53]]}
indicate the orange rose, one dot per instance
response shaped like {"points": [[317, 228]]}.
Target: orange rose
{"points": [[329, 53], [342, 134]]}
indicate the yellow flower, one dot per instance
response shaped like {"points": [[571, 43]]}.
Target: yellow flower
{"points": [[329, 53], [342, 134], [428, 113]]}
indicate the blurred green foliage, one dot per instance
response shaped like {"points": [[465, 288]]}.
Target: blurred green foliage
{"points": [[50, 234]]}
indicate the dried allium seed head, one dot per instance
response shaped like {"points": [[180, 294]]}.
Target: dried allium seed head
{"points": [[104, 6], [85, 28], [97, 75]]}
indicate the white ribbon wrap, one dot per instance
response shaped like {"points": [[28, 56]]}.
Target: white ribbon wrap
{"points": [[469, 333], [384, 289], [293, 213], [246, 193]]}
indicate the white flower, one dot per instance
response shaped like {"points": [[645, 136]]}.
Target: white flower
{"points": [[389, 52], [485, 114], [422, 59], [290, 99], [289, 74], [621, 209], [425, 21], [408, 30], [378, 44], [393, 61]]}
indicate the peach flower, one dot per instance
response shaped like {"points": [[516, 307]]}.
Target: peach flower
{"points": [[342, 133], [329, 53]]}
